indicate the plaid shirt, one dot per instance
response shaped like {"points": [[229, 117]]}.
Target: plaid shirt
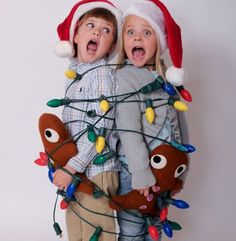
{"points": [[97, 80]]}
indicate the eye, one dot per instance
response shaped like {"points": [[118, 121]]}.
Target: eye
{"points": [[158, 161], [106, 30], [90, 25], [180, 170], [130, 32], [51, 135], [147, 32]]}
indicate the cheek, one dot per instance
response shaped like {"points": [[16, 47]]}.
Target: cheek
{"points": [[127, 46]]}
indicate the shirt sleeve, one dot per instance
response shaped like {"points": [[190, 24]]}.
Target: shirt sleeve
{"points": [[129, 117], [101, 83]]}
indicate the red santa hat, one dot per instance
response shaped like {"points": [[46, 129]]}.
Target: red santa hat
{"points": [[168, 32], [65, 30]]}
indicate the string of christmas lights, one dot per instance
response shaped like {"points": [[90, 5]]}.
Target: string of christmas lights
{"points": [[98, 137]]}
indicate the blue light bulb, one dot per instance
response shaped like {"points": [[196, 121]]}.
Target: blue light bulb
{"points": [[70, 190], [168, 88], [51, 170], [190, 148], [168, 229], [181, 204]]}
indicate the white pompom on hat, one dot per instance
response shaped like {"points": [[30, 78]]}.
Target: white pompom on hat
{"points": [[66, 29], [168, 32]]}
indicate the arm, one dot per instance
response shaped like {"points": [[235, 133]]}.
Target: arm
{"points": [[128, 117], [101, 82]]}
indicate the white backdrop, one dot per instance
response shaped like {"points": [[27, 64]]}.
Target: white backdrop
{"points": [[31, 75]]}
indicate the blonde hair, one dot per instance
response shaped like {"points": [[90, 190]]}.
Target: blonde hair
{"points": [[159, 63]]}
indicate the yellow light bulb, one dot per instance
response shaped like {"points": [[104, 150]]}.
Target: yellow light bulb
{"points": [[70, 74], [100, 144], [181, 106], [150, 115], [104, 105]]}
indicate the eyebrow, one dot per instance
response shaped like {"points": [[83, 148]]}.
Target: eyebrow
{"points": [[144, 26], [93, 19]]}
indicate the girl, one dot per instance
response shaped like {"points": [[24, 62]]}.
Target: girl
{"points": [[146, 27]]}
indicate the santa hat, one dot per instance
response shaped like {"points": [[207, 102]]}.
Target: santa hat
{"points": [[66, 30], [168, 32]]}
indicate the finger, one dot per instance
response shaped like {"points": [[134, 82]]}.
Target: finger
{"points": [[146, 192], [61, 187], [155, 188], [141, 191]]}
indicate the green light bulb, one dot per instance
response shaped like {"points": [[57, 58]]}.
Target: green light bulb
{"points": [[96, 234], [175, 226], [58, 102], [100, 159], [91, 134]]}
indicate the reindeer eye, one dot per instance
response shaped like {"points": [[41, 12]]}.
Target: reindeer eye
{"points": [[158, 161], [51, 135], [180, 170]]}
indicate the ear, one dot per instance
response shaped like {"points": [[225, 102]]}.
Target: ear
{"points": [[76, 38]]}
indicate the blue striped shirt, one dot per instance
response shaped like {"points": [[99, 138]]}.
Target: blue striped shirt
{"points": [[97, 80]]}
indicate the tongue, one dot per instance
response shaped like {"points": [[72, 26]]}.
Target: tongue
{"points": [[92, 46], [138, 53]]}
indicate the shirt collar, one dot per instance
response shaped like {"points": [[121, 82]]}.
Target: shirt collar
{"points": [[81, 68]]}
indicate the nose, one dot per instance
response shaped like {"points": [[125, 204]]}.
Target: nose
{"points": [[96, 32], [137, 38]]}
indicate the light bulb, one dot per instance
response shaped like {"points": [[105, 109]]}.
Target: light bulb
{"points": [[70, 74], [152, 230], [64, 204], [168, 88], [184, 93], [181, 106], [104, 105], [175, 226], [163, 214], [168, 229], [101, 142], [72, 188], [91, 134], [101, 159], [96, 234], [149, 113], [51, 170], [189, 148], [58, 102]]}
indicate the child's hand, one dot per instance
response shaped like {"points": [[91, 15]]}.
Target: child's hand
{"points": [[62, 179], [145, 191]]}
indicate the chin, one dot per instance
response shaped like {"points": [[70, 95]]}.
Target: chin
{"points": [[138, 64]]}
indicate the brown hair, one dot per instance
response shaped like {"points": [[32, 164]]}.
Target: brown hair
{"points": [[97, 13], [159, 63]]}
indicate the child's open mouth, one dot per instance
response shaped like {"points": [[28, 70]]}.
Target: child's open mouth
{"points": [[138, 52], [92, 46]]}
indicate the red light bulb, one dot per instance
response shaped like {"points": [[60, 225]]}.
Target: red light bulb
{"points": [[163, 214], [153, 232], [64, 204], [186, 95]]}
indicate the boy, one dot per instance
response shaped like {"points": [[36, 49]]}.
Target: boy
{"points": [[89, 35]]}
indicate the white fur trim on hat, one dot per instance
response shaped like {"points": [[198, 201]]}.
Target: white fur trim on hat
{"points": [[64, 49], [175, 76]]}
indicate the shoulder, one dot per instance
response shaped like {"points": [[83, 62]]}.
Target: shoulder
{"points": [[132, 77]]}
